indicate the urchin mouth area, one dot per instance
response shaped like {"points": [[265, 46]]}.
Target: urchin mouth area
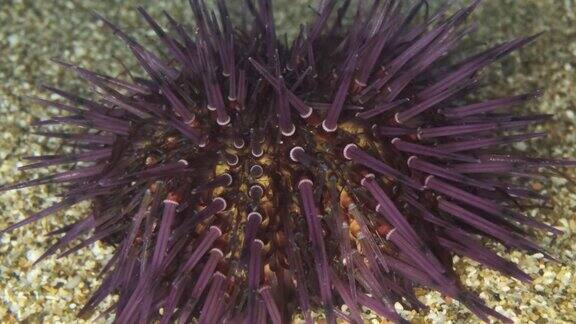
{"points": [[262, 180], [253, 178]]}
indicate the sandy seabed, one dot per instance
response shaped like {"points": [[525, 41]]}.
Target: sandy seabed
{"points": [[32, 32]]}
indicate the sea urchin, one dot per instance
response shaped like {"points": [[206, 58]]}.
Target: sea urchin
{"points": [[250, 179]]}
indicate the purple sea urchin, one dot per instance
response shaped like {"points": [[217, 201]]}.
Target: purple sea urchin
{"points": [[184, 198]]}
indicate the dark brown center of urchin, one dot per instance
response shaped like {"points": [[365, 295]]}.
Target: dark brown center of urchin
{"points": [[249, 167], [251, 177]]}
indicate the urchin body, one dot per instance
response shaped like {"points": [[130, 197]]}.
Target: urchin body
{"points": [[246, 179]]}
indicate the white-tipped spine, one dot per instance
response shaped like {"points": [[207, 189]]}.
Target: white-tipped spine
{"points": [[303, 181], [346, 150], [327, 128], [294, 151], [289, 132]]}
